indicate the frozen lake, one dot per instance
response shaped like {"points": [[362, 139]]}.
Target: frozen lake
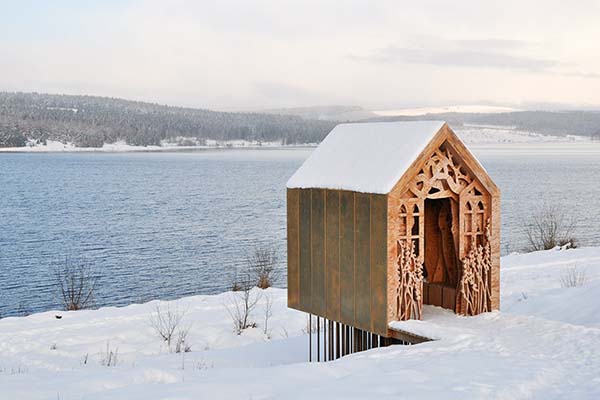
{"points": [[165, 225]]}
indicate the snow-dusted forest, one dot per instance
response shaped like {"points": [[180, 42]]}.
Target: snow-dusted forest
{"points": [[32, 119], [88, 121]]}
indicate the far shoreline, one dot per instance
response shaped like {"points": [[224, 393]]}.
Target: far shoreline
{"points": [[547, 147], [143, 149]]}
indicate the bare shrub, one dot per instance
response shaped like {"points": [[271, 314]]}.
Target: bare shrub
{"points": [[14, 370], [109, 357], [550, 227], [244, 302], [263, 264], [236, 286], [181, 344], [573, 277], [311, 325], [168, 322], [203, 365], [75, 283]]}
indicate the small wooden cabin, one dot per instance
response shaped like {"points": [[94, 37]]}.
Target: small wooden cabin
{"points": [[385, 217]]}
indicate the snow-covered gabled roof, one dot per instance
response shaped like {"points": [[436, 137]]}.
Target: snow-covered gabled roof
{"points": [[365, 157]]}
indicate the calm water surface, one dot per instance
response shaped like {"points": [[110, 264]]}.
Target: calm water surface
{"points": [[165, 225]]}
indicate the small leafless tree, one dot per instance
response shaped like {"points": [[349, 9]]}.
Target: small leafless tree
{"points": [[168, 322], [549, 228], [243, 303], [573, 277], [75, 283], [263, 264], [268, 314]]}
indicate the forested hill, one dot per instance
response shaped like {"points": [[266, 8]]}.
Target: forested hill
{"points": [[89, 121]]}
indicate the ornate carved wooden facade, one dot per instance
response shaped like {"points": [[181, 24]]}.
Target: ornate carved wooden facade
{"points": [[366, 259], [443, 224]]}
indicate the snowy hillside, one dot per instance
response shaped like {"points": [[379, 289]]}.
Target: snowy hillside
{"points": [[489, 134], [444, 109], [544, 344]]}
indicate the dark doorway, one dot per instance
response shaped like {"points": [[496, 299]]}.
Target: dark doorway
{"points": [[440, 262]]}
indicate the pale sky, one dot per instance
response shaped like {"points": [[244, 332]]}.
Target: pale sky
{"points": [[274, 53]]}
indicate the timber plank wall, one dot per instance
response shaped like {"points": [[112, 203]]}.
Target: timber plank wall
{"points": [[337, 256]]}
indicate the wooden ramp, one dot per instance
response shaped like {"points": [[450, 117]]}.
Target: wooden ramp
{"points": [[405, 336]]}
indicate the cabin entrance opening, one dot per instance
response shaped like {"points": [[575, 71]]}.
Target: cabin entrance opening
{"points": [[440, 261]]}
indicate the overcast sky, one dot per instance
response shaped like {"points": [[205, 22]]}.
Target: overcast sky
{"points": [[275, 53]]}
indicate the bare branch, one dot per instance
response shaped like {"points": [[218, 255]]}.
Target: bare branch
{"points": [[168, 323], [549, 228], [75, 283]]}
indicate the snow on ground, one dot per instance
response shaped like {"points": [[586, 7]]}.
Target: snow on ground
{"points": [[544, 344], [120, 146]]}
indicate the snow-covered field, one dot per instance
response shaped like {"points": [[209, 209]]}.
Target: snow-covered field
{"points": [[472, 108], [121, 146], [490, 134], [545, 343]]}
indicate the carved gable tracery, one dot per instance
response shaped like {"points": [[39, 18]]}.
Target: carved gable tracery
{"points": [[442, 176]]}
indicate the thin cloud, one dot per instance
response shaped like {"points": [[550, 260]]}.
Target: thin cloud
{"points": [[492, 53], [586, 75]]}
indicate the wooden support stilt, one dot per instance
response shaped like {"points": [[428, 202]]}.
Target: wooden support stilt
{"points": [[318, 339], [331, 345], [309, 337], [337, 340], [325, 339]]}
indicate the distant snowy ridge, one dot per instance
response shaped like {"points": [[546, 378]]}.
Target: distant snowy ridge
{"points": [[444, 109], [491, 134], [471, 134]]}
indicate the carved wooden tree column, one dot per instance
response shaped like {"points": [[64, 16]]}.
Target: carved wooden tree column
{"points": [[409, 272], [410, 288], [474, 287]]}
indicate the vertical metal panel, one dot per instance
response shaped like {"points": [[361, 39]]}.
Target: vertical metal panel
{"points": [[317, 237], [305, 245], [293, 241], [362, 262], [379, 264], [347, 257], [332, 254]]}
